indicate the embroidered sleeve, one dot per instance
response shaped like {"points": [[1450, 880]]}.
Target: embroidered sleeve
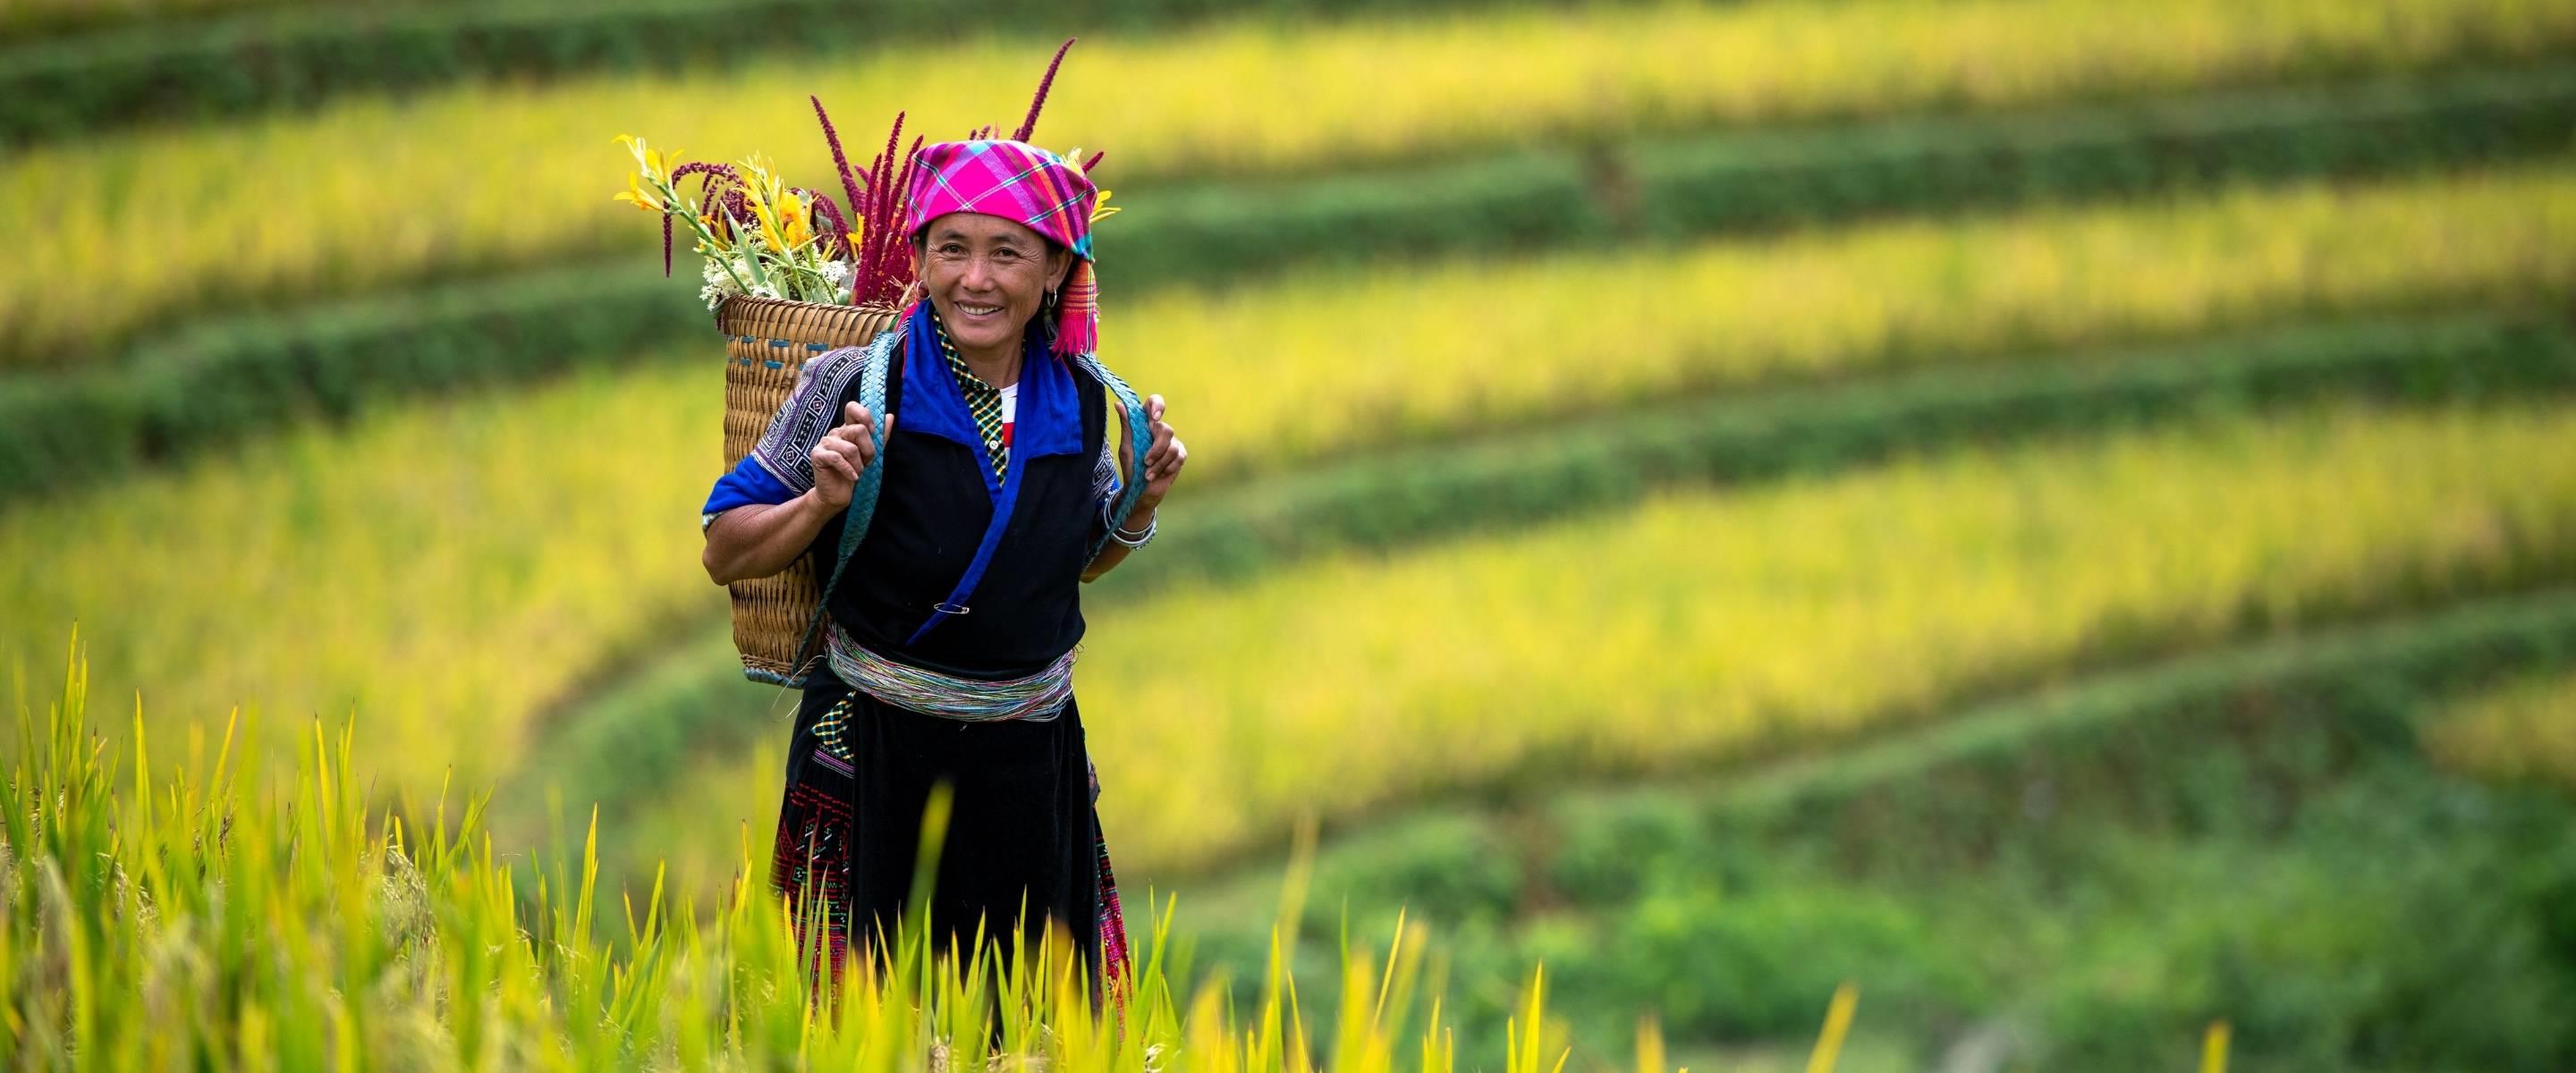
{"points": [[1104, 480], [780, 466], [1104, 473]]}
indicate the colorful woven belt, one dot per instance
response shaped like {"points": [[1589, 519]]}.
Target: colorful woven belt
{"points": [[1037, 698]]}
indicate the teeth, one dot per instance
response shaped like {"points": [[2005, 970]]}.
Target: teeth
{"points": [[979, 310]]}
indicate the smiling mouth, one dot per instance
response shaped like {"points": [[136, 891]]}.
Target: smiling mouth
{"points": [[973, 310]]}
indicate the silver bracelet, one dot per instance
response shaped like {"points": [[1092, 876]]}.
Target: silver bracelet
{"points": [[1120, 535]]}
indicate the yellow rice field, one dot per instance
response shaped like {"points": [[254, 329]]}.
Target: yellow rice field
{"points": [[452, 569], [448, 571], [373, 191], [1251, 368], [2523, 730], [1705, 624]]}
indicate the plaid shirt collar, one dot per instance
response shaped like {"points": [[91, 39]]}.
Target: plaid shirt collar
{"points": [[983, 400]]}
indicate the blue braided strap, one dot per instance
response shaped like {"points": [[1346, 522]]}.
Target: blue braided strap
{"points": [[1140, 437], [863, 499]]}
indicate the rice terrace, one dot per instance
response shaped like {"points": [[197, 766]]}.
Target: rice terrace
{"points": [[1749, 535]]}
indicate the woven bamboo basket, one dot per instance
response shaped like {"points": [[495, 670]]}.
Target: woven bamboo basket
{"points": [[767, 343]]}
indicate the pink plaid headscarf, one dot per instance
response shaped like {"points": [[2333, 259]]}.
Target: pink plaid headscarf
{"points": [[1027, 185]]}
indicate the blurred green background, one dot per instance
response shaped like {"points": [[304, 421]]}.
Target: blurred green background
{"points": [[2060, 513]]}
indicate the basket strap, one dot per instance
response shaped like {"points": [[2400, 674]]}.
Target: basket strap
{"points": [[1140, 438], [863, 496]]}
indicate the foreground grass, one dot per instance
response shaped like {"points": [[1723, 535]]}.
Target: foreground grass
{"points": [[201, 922], [1703, 625], [334, 205]]}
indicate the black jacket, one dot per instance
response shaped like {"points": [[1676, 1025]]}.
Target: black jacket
{"points": [[931, 514]]}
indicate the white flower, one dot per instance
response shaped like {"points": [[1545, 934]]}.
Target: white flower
{"points": [[718, 284]]}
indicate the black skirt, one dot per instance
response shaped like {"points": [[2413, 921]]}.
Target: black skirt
{"points": [[1022, 830]]}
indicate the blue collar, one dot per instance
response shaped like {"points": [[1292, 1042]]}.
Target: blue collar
{"points": [[1048, 417], [1048, 421]]}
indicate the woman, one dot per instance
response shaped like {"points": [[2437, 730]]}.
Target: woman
{"points": [[950, 638]]}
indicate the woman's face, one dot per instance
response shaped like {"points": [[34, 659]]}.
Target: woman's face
{"points": [[987, 276]]}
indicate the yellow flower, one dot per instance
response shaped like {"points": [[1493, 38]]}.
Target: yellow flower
{"points": [[792, 219], [634, 195], [767, 218], [1104, 209], [637, 147]]}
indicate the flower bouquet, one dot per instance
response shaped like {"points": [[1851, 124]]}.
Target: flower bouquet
{"points": [[790, 275]]}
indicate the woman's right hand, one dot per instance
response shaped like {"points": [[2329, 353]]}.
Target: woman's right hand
{"points": [[844, 452]]}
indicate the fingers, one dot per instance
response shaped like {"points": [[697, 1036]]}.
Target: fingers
{"points": [[856, 424], [826, 459], [840, 448], [1163, 454], [1161, 450], [858, 435], [844, 455], [1170, 466]]}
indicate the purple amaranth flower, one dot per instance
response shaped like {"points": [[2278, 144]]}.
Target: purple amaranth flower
{"points": [[1094, 161], [706, 204], [840, 160], [883, 204], [737, 207], [708, 171], [892, 270], [1029, 125]]}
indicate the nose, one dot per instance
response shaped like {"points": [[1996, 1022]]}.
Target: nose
{"points": [[979, 275]]}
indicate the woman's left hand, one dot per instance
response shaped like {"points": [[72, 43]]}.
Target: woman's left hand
{"points": [[1163, 459]]}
